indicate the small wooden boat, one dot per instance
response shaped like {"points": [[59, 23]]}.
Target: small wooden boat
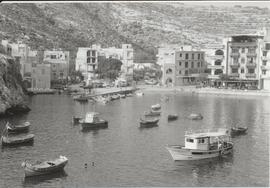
{"points": [[156, 107], [195, 116], [152, 113], [172, 117], [122, 96], [16, 140], [92, 120], [129, 95], [75, 119], [148, 122], [80, 98], [18, 128], [238, 130], [115, 97], [45, 167]]}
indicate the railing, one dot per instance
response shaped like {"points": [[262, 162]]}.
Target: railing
{"points": [[253, 65], [250, 75], [235, 54], [251, 54], [235, 65], [234, 75], [221, 130]]}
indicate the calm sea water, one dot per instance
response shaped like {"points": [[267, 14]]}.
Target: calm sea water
{"points": [[125, 155]]}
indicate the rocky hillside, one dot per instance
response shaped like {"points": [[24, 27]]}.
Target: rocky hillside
{"points": [[145, 25], [11, 91]]}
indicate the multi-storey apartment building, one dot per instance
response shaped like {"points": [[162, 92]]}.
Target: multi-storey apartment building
{"points": [[181, 65], [87, 58], [243, 59], [41, 76], [59, 61], [265, 62], [215, 58]]}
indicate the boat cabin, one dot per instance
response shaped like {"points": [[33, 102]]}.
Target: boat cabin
{"points": [[206, 140], [91, 117]]}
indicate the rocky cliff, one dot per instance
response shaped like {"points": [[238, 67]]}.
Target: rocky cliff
{"points": [[12, 97]]}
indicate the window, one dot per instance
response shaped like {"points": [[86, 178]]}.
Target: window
{"points": [[267, 46], [235, 60], [192, 56], [186, 56], [93, 53], [199, 56], [180, 54], [218, 62], [251, 71], [192, 64], [180, 63], [219, 52], [243, 50], [264, 53], [264, 72], [201, 140], [264, 62], [189, 140], [251, 50], [186, 72], [234, 50], [180, 72], [186, 64], [242, 70], [88, 60], [93, 60], [198, 64], [53, 56], [201, 64], [34, 71], [242, 60], [234, 70]]}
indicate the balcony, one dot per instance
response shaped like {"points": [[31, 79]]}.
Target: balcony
{"points": [[251, 65], [235, 54], [265, 67], [234, 75], [221, 57], [235, 65], [244, 44], [251, 54], [250, 75], [215, 66]]}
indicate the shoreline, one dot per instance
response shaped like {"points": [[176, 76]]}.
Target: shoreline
{"points": [[212, 91]]}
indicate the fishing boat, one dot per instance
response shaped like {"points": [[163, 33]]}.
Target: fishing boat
{"points": [[148, 122], [80, 98], [195, 116], [76, 119], [16, 140], [46, 167], [156, 107], [238, 130], [202, 145], [92, 120], [18, 128], [172, 117], [152, 113]]}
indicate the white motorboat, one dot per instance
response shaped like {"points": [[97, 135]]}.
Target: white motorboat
{"points": [[202, 145], [156, 107], [92, 120], [139, 93]]}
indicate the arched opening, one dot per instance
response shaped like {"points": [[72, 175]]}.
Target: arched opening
{"points": [[168, 81], [218, 62], [169, 71], [218, 71], [219, 52]]}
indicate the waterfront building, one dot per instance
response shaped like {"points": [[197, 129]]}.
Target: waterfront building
{"points": [[23, 54], [215, 59], [181, 65], [41, 76], [59, 61], [87, 58], [265, 61], [244, 59]]}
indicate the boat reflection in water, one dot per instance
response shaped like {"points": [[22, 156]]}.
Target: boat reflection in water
{"points": [[35, 180]]}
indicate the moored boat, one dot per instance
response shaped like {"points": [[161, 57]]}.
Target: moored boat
{"points": [[172, 117], [238, 130], [92, 120], [80, 98], [156, 107], [18, 128], [139, 93], [45, 167], [76, 119], [195, 116], [152, 113], [16, 140], [203, 145], [148, 122]]}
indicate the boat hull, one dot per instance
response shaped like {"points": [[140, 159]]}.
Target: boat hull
{"points": [[29, 172], [85, 125], [18, 128], [179, 153], [17, 141]]}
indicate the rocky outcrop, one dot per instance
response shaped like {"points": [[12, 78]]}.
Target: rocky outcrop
{"points": [[12, 97]]}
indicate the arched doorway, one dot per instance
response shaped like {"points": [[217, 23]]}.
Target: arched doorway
{"points": [[169, 82]]}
